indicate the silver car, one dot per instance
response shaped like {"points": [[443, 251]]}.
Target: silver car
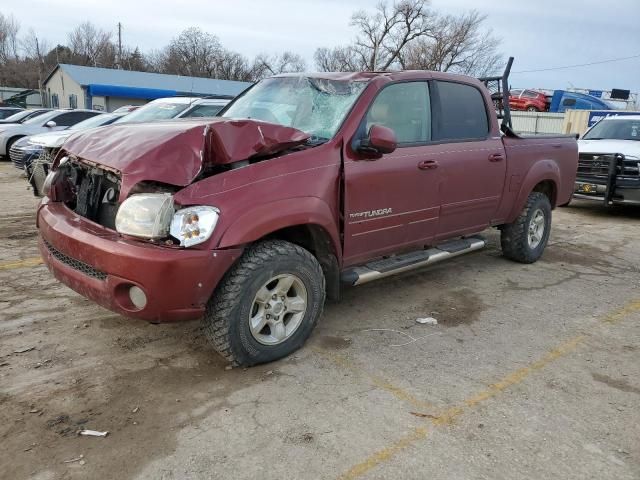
{"points": [[47, 122], [176, 107]]}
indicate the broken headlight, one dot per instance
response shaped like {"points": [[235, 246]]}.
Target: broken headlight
{"points": [[145, 215], [194, 225]]}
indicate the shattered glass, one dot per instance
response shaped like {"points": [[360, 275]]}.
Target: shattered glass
{"points": [[314, 105]]}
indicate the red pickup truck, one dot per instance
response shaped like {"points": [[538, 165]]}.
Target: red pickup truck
{"points": [[304, 183]]}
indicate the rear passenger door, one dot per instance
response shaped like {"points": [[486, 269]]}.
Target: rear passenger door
{"points": [[471, 161]]}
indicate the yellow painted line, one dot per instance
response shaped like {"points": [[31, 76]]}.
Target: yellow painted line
{"points": [[24, 263], [631, 307], [513, 378], [376, 380], [385, 454], [449, 415]]}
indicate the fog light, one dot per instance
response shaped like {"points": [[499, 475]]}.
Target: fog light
{"points": [[137, 297]]}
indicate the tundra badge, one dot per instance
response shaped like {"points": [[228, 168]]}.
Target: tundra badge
{"points": [[371, 213]]}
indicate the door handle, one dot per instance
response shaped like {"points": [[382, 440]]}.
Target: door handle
{"points": [[496, 157], [427, 165]]}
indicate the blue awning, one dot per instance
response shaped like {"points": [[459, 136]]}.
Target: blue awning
{"points": [[128, 92]]}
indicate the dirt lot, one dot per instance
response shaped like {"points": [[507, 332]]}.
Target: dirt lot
{"points": [[532, 372]]}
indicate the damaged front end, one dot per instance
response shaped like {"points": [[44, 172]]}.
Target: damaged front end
{"points": [[124, 177], [90, 191]]}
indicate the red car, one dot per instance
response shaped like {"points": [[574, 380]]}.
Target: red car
{"points": [[304, 182], [528, 100]]}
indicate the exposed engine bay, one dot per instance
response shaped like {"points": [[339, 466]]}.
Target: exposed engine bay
{"points": [[94, 191]]}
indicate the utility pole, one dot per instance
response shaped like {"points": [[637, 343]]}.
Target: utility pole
{"points": [[119, 45], [40, 65]]}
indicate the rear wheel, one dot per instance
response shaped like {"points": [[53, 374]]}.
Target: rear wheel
{"points": [[267, 305], [532, 109], [525, 239]]}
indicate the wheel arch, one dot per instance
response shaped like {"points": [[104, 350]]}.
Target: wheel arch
{"points": [[11, 140], [308, 222], [543, 177]]}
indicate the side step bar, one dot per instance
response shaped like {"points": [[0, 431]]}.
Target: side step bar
{"points": [[410, 261]]}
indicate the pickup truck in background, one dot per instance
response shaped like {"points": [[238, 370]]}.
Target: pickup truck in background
{"points": [[563, 100], [609, 161], [558, 101], [305, 183]]}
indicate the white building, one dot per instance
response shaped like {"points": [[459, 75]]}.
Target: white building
{"points": [[74, 86]]}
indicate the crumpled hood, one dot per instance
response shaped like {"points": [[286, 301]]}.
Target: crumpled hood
{"points": [[629, 148], [175, 152]]}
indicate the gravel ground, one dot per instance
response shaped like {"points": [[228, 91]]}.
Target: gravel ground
{"points": [[533, 371]]}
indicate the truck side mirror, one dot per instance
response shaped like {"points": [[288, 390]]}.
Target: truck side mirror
{"points": [[51, 124], [381, 140]]}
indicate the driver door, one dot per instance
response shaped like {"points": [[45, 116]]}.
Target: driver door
{"points": [[392, 203]]}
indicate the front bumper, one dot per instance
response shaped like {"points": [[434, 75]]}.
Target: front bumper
{"points": [[101, 265], [609, 178], [23, 157], [622, 192]]}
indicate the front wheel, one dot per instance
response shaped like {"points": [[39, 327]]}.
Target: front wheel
{"points": [[525, 239], [267, 305]]}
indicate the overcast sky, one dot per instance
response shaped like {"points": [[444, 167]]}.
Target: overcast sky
{"points": [[539, 34]]}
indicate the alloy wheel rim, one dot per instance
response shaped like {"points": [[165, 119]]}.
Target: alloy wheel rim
{"points": [[278, 309], [536, 229]]}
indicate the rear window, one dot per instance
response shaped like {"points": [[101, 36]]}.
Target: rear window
{"points": [[463, 113]]}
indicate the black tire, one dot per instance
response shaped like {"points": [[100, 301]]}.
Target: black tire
{"points": [[514, 237], [532, 109], [228, 313], [10, 143]]}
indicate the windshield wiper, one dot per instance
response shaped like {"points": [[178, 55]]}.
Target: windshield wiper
{"points": [[314, 140]]}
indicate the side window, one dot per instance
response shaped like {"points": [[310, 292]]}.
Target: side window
{"points": [[463, 113], [71, 118], [204, 111], [569, 102], [404, 108]]}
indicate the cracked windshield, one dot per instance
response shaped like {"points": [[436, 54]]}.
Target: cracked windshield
{"points": [[315, 106]]}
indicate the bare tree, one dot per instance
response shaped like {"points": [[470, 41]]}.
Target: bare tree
{"points": [[200, 54], [194, 53], [456, 44], [233, 66], [34, 47], [408, 34], [383, 35], [9, 44], [266, 65], [133, 60], [337, 59], [92, 46]]}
